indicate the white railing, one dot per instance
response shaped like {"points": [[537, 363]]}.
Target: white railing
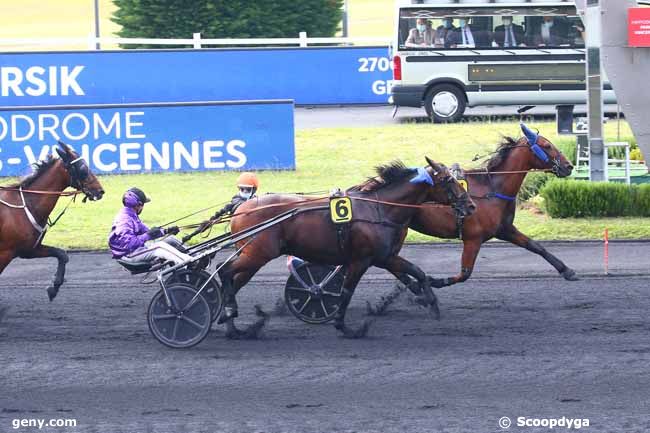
{"points": [[92, 42]]}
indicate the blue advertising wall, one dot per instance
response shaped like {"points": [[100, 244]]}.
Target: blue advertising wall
{"points": [[153, 137], [322, 75]]}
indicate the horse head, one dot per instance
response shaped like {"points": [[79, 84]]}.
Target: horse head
{"points": [[545, 155], [81, 178], [447, 190]]}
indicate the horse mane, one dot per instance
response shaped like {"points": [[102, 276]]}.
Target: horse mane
{"points": [[387, 174], [39, 168], [499, 155]]}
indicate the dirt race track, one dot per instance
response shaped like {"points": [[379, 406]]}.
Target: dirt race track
{"points": [[514, 341]]}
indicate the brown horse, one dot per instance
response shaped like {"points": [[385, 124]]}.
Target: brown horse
{"points": [[372, 238], [25, 208], [494, 190]]}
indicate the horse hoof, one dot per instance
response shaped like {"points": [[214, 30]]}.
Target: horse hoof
{"points": [[228, 314], [52, 292], [414, 287], [422, 301], [570, 275], [435, 311], [234, 334], [361, 332]]}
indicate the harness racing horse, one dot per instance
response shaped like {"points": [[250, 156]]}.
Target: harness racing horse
{"points": [[494, 190], [25, 208], [371, 238]]}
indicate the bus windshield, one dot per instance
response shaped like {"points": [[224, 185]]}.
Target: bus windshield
{"points": [[490, 28]]}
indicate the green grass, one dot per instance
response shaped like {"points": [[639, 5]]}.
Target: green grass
{"points": [[326, 158]]}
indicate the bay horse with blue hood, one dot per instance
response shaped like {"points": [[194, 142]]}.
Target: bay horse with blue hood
{"points": [[372, 238], [494, 190]]}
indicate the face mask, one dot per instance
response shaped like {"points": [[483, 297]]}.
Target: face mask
{"points": [[462, 23], [446, 24], [421, 28], [507, 21], [245, 194]]}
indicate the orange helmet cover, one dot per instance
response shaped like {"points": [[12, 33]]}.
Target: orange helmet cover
{"points": [[248, 179]]}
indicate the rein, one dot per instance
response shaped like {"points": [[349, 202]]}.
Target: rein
{"points": [[413, 206], [533, 170], [257, 209], [192, 214], [38, 192]]}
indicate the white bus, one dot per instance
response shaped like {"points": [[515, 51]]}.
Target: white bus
{"points": [[453, 54]]}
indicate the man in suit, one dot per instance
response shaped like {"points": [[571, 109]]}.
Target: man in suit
{"points": [[552, 33], [509, 35], [440, 36], [467, 36], [421, 35]]}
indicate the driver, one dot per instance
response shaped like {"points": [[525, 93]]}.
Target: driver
{"points": [[131, 240], [247, 183]]}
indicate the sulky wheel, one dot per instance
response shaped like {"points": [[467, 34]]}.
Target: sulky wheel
{"points": [[314, 304], [196, 278], [183, 324]]}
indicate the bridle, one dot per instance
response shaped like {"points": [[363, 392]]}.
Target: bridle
{"points": [[78, 171], [543, 156], [459, 201]]}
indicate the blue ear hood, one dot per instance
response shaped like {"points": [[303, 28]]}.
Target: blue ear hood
{"points": [[530, 135], [422, 176]]}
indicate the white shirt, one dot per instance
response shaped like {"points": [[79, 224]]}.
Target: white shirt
{"points": [[467, 37], [509, 39], [546, 34]]}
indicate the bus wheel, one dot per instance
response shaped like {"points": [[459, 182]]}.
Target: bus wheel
{"points": [[445, 103]]}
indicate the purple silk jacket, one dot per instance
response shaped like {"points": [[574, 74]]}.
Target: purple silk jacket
{"points": [[127, 234]]}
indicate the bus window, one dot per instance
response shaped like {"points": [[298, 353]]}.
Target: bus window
{"points": [[444, 28], [555, 31]]}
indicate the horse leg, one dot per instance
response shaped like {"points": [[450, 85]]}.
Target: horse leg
{"points": [[252, 332], [353, 274], [471, 247], [513, 235], [230, 310], [399, 265], [45, 251], [5, 258]]}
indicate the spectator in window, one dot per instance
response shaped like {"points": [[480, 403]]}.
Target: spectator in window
{"points": [[421, 35], [552, 33], [467, 36], [509, 35], [440, 36]]}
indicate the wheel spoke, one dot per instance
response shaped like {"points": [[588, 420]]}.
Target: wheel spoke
{"points": [[322, 304], [299, 288], [175, 330], [163, 316], [311, 277], [305, 304], [328, 293], [192, 322], [190, 304]]}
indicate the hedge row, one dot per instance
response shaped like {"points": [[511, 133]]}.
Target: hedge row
{"points": [[574, 198], [225, 18]]}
